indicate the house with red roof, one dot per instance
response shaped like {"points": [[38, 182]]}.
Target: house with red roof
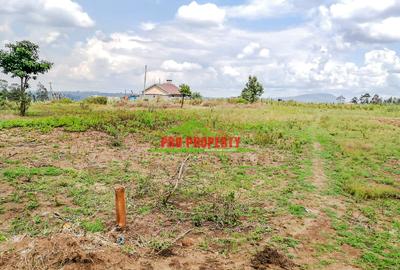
{"points": [[163, 90]]}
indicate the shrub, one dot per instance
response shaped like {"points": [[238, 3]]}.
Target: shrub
{"points": [[237, 100], [225, 212], [96, 100], [63, 101]]}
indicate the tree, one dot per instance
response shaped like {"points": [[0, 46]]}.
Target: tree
{"points": [[341, 99], [196, 95], [13, 92], [185, 91], [253, 90], [41, 93], [21, 59], [354, 100], [376, 99], [3, 92], [364, 99], [3, 89]]}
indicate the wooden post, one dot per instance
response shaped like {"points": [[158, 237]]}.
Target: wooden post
{"points": [[120, 207]]}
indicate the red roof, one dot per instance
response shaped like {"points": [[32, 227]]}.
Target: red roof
{"points": [[170, 88]]}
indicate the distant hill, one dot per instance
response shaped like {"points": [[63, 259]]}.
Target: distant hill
{"points": [[313, 98], [78, 95]]}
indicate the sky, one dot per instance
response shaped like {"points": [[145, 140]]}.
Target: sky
{"points": [[340, 47]]}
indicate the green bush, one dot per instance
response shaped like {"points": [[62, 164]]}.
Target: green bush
{"points": [[237, 100], [63, 101], [96, 100]]}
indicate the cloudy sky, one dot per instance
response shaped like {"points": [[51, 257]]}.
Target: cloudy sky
{"points": [[293, 47]]}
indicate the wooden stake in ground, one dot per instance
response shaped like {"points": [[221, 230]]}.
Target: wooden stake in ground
{"points": [[120, 207]]}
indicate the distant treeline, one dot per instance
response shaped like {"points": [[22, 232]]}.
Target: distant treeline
{"points": [[78, 95], [375, 99], [11, 92]]}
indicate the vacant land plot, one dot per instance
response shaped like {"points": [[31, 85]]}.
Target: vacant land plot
{"points": [[311, 187]]}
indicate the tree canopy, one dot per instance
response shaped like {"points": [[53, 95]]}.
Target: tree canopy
{"points": [[253, 90], [21, 59]]}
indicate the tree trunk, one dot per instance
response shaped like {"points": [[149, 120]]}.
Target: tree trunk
{"points": [[183, 99], [22, 105], [23, 98]]}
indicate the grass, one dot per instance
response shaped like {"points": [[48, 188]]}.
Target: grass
{"points": [[93, 226], [236, 200], [17, 172]]}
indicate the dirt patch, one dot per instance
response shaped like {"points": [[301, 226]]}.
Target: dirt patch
{"points": [[390, 121], [319, 178], [271, 257]]}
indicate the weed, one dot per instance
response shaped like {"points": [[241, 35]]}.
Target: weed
{"points": [[144, 187], [2, 237], [225, 212], [93, 226], [297, 210], [160, 246]]}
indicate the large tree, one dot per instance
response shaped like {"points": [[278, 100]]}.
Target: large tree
{"points": [[185, 91], [253, 90], [21, 60]]}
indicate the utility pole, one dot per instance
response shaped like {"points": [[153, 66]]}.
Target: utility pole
{"points": [[145, 78]]}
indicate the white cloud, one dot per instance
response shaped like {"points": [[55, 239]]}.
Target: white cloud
{"points": [[171, 65], [4, 28], [54, 13], [360, 9], [113, 54], [203, 14], [249, 50], [368, 21], [387, 29], [52, 37], [230, 71], [265, 53], [147, 26], [255, 9]]}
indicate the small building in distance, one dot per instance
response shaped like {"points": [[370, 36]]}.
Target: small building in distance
{"points": [[162, 90]]}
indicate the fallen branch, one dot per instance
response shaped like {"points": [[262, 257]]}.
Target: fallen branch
{"points": [[176, 240], [178, 179]]}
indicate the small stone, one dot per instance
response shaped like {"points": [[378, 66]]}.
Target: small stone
{"points": [[120, 240]]}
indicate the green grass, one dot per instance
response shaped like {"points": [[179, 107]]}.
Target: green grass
{"points": [[93, 226], [17, 172]]}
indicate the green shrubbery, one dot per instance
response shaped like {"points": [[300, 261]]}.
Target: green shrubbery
{"points": [[96, 100], [63, 101]]}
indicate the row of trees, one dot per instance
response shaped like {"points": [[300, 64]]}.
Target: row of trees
{"points": [[11, 92], [375, 99]]}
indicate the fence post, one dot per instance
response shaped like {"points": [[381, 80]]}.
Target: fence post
{"points": [[120, 207]]}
